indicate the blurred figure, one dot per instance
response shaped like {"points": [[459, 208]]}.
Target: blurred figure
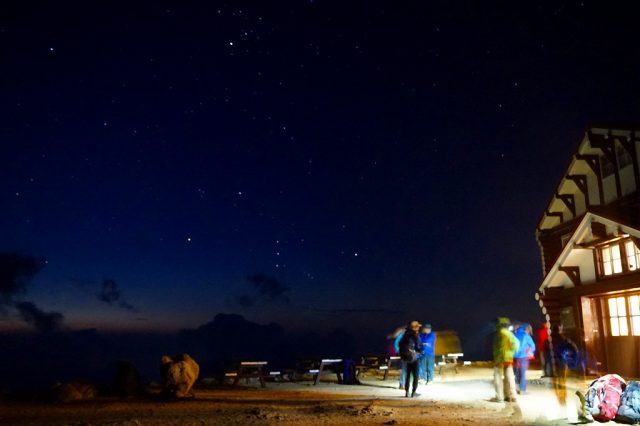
{"points": [[523, 355], [545, 355], [403, 364], [428, 359], [392, 349], [564, 358], [410, 350], [505, 345]]}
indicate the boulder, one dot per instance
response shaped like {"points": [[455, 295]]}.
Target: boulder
{"points": [[74, 391], [178, 375], [127, 381]]}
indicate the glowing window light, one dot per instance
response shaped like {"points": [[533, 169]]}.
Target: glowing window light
{"points": [[611, 260], [633, 255], [634, 311], [618, 316]]}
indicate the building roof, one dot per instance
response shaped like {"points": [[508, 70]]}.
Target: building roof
{"points": [[577, 252], [561, 203]]}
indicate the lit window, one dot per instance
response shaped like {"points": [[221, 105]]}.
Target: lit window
{"points": [[618, 316], [633, 255], [634, 312], [611, 260]]}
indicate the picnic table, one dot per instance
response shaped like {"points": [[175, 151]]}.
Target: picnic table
{"points": [[377, 363], [247, 370], [316, 368], [449, 362]]}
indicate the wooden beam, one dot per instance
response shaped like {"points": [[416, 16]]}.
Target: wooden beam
{"points": [[624, 282], [593, 161], [581, 183], [556, 214], [569, 201], [607, 145], [573, 272], [630, 146]]}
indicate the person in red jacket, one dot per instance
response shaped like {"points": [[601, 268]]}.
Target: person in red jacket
{"points": [[545, 355]]}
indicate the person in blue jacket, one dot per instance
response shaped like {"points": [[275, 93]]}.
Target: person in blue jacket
{"points": [[403, 364], [428, 359], [523, 355]]}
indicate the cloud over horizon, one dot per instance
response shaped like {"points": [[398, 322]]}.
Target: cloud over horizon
{"points": [[112, 295], [16, 272], [266, 288]]}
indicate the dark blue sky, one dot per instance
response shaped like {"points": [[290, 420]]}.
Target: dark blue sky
{"points": [[312, 163]]}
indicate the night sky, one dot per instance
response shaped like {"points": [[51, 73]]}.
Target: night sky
{"points": [[312, 163]]}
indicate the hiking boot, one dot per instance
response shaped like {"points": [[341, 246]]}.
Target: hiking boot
{"points": [[400, 386], [585, 418]]}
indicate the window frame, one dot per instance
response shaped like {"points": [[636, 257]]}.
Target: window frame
{"points": [[629, 321], [623, 259]]}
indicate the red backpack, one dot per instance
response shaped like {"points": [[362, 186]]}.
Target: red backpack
{"points": [[603, 397]]}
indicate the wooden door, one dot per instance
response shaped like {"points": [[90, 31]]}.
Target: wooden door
{"points": [[621, 322]]}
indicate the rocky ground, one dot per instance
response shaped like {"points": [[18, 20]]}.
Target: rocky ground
{"points": [[453, 399]]}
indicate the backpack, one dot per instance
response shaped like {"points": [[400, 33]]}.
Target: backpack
{"points": [[629, 411], [407, 350], [603, 397], [409, 355]]}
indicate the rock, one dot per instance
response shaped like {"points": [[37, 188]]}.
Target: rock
{"points": [[74, 391], [178, 375], [127, 381]]}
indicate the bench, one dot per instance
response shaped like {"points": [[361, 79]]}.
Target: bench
{"points": [[328, 366], [395, 363], [248, 370], [449, 362], [316, 368], [377, 363]]}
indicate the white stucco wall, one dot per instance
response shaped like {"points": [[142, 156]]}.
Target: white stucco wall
{"points": [[627, 180], [609, 186]]}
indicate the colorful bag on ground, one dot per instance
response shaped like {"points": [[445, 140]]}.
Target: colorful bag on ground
{"points": [[629, 411], [603, 397]]}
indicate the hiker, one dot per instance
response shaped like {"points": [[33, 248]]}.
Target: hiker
{"points": [[410, 350], [403, 365], [428, 358], [523, 355], [505, 345], [545, 354], [564, 357]]}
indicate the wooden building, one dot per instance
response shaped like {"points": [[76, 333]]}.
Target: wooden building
{"points": [[589, 238]]}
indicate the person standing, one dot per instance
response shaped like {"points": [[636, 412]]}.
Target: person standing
{"points": [[410, 350], [403, 364], [428, 359], [523, 355], [505, 345], [564, 355], [545, 355]]}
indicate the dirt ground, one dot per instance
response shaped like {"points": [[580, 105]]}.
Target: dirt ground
{"points": [[453, 399]]}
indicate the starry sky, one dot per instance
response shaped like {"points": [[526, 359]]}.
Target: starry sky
{"points": [[318, 164]]}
